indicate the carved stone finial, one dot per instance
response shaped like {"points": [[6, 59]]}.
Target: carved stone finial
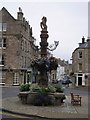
{"points": [[20, 10], [43, 23]]}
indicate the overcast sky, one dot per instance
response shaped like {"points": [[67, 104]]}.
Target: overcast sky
{"points": [[67, 22]]}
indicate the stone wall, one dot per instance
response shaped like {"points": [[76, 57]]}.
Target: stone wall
{"points": [[20, 49]]}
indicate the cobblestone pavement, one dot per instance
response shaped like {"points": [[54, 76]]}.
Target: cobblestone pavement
{"points": [[66, 110]]}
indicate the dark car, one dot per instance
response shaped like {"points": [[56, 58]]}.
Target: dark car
{"points": [[68, 81]]}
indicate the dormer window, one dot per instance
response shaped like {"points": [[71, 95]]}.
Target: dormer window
{"points": [[80, 54]]}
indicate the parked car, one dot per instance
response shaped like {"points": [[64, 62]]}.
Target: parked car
{"points": [[68, 81]]}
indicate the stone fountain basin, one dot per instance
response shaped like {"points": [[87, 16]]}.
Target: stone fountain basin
{"points": [[29, 97]]}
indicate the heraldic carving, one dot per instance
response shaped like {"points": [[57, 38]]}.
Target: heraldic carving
{"points": [[43, 23]]}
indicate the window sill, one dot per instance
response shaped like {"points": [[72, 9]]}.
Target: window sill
{"points": [[2, 83], [80, 71], [15, 84], [2, 47], [1, 65]]}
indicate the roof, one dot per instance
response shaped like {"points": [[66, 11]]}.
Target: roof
{"points": [[85, 45], [6, 11], [61, 62]]}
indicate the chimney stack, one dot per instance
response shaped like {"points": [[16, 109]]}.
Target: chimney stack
{"points": [[83, 40], [20, 14]]}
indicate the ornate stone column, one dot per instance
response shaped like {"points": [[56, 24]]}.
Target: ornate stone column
{"points": [[43, 80], [44, 43], [44, 36]]}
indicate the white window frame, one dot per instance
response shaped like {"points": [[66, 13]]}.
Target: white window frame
{"points": [[1, 79], [3, 27], [1, 61], [0, 76], [2, 43], [16, 79]]}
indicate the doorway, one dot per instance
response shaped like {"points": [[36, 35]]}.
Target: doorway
{"points": [[79, 80]]}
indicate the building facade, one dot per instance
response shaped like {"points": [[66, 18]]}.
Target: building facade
{"points": [[60, 72], [68, 68], [81, 63], [17, 48], [60, 69], [64, 69]]}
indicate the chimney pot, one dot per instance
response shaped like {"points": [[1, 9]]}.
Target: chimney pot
{"points": [[83, 40]]}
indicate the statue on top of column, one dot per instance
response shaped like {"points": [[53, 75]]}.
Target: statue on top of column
{"points": [[20, 10], [43, 23]]}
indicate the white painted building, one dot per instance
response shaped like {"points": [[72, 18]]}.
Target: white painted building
{"points": [[60, 72]]}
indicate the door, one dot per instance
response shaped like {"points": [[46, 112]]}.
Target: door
{"points": [[79, 80]]}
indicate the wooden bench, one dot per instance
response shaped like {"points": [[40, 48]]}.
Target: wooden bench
{"points": [[75, 99]]}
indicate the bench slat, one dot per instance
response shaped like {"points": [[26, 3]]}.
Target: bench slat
{"points": [[75, 99]]}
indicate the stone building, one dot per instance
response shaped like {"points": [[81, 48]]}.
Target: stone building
{"points": [[81, 63], [68, 68], [60, 69], [64, 69], [17, 48]]}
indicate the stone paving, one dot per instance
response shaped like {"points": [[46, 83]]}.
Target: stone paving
{"points": [[84, 107], [66, 110]]}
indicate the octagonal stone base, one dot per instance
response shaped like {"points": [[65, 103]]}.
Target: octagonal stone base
{"points": [[38, 99]]}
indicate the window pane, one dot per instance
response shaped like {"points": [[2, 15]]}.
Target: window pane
{"points": [[80, 54], [79, 74], [0, 42], [0, 60], [0, 75], [4, 42], [4, 26], [0, 26], [16, 78], [80, 66]]}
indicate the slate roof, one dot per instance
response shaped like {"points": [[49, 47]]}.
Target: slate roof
{"points": [[85, 45], [5, 11]]}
